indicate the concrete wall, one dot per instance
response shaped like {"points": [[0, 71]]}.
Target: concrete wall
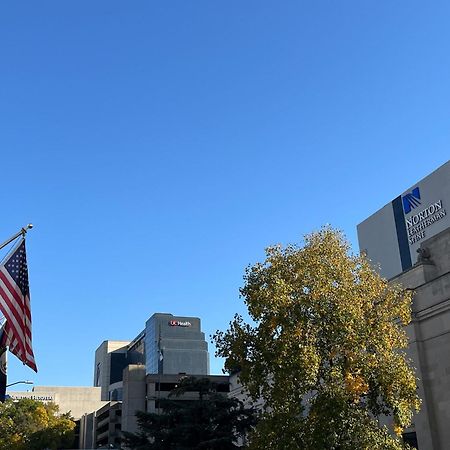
{"points": [[141, 392], [429, 335], [377, 238], [108, 425], [238, 391], [134, 396], [77, 400], [87, 431], [102, 365]]}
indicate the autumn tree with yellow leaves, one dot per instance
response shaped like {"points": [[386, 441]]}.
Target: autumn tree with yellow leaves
{"points": [[28, 424], [325, 349]]}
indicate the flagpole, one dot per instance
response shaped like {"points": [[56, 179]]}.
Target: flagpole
{"points": [[22, 232]]}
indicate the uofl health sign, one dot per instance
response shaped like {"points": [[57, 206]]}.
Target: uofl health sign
{"points": [[392, 235], [179, 323]]}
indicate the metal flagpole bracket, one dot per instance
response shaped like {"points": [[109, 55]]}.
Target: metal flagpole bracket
{"points": [[25, 229], [22, 232]]}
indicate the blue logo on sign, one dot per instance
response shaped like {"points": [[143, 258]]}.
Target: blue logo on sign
{"points": [[411, 200]]}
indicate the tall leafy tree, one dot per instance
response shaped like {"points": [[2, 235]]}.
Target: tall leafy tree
{"points": [[28, 424], [325, 349], [212, 421]]}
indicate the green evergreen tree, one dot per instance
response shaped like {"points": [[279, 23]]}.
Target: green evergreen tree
{"points": [[211, 422]]}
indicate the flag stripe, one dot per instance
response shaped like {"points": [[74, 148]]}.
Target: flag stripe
{"points": [[12, 285], [16, 307], [11, 311], [12, 316], [15, 291], [8, 300]]}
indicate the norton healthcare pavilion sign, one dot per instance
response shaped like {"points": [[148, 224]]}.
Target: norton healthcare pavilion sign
{"points": [[418, 222]]}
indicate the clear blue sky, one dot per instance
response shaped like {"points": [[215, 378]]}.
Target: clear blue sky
{"points": [[159, 147]]}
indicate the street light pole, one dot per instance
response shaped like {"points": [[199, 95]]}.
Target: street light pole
{"points": [[20, 382]]}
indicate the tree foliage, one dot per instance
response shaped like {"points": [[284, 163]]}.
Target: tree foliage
{"points": [[325, 350], [211, 422], [28, 424]]}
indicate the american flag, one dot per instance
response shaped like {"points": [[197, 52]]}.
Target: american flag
{"points": [[15, 304]]}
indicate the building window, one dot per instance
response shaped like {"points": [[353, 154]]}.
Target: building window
{"points": [[411, 439], [97, 375]]}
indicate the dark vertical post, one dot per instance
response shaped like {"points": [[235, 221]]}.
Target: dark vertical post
{"points": [[3, 353]]}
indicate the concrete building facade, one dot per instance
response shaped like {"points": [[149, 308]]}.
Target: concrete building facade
{"points": [[168, 344], [101, 428], [128, 373], [391, 236], [145, 392], [110, 360], [408, 241], [76, 400], [174, 345], [429, 340]]}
